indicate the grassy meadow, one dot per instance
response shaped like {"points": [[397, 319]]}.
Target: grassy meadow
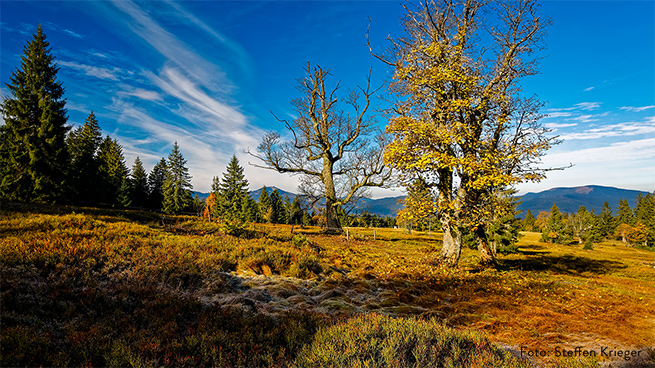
{"points": [[91, 287]]}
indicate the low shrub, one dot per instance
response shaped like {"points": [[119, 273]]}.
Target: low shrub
{"points": [[374, 340]]}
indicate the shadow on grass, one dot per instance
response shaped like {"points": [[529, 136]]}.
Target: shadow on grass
{"points": [[562, 264]]}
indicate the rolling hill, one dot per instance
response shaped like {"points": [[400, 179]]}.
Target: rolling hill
{"points": [[570, 199]]}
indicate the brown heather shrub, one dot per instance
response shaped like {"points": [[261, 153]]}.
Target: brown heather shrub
{"points": [[374, 340]]}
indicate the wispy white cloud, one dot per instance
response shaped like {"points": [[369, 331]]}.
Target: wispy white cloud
{"points": [[617, 153], [589, 89], [94, 71], [238, 53], [173, 49], [174, 82], [584, 118], [200, 112], [557, 114], [559, 125], [614, 130], [637, 109], [141, 93], [588, 106], [63, 30], [207, 156]]}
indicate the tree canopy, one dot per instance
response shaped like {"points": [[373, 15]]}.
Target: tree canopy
{"points": [[460, 119], [334, 149]]}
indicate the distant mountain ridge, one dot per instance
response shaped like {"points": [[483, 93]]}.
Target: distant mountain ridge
{"points": [[568, 199], [383, 206]]}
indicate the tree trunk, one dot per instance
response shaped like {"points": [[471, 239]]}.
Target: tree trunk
{"points": [[452, 236], [452, 244], [331, 219], [487, 256]]}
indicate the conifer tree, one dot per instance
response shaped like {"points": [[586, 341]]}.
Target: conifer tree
{"points": [[606, 223], [581, 224], [125, 193], [265, 208], [555, 230], [504, 228], [296, 212], [528, 222], [252, 209], [277, 208], [232, 192], [645, 214], [156, 183], [645, 208], [624, 214], [83, 144], [177, 185], [113, 172], [596, 232], [33, 157], [139, 182]]}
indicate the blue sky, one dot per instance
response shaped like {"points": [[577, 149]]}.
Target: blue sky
{"points": [[208, 74]]}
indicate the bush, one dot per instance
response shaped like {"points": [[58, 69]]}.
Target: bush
{"points": [[588, 244], [374, 340], [299, 240]]}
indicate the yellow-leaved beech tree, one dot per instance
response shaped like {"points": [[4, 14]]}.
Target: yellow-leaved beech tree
{"points": [[460, 121]]}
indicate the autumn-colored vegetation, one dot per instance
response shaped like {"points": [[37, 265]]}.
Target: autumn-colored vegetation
{"points": [[88, 287]]}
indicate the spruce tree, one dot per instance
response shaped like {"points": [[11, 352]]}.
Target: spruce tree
{"points": [[265, 208], [606, 223], [33, 157], [296, 212], [83, 144], [645, 209], [645, 214], [113, 173], [555, 230], [156, 183], [253, 210], [624, 214], [232, 192], [277, 208], [177, 186], [528, 222], [581, 224], [139, 182], [287, 210]]}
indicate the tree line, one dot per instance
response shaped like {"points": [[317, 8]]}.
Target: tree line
{"points": [[230, 200], [631, 226], [44, 159]]}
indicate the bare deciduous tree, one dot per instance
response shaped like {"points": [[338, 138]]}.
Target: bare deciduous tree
{"points": [[338, 152]]}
